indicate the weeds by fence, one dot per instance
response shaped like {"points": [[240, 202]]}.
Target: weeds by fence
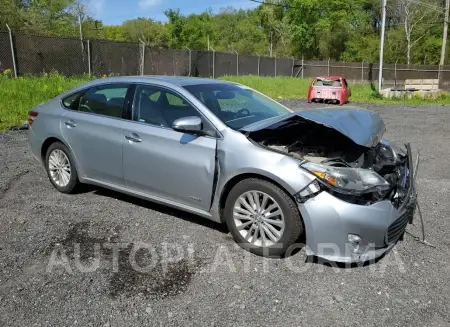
{"points": [[71, 57]]}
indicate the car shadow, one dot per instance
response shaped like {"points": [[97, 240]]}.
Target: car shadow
{"points": [[186, 216], [222, 228]]}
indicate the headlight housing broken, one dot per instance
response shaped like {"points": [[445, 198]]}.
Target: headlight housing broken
{"points": [[348, 180]]}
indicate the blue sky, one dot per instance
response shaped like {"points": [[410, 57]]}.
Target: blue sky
{"points": [[114, 12]]}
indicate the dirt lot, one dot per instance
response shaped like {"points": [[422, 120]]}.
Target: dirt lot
{"points": [[205, 279]]}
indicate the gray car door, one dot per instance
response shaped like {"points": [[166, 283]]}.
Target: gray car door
{"points": [[94, 132], [162, 162]]}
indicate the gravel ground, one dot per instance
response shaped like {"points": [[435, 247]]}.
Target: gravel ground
{"points": [[205, 279]]}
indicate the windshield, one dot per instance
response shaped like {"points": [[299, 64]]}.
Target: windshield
{"points": [[235, 105]]}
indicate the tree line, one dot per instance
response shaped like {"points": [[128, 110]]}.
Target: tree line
{"points": [[345, 30]]}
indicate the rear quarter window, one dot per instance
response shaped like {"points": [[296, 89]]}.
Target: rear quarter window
{"points": [[72, 102]]}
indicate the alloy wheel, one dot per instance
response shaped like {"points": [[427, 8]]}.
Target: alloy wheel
{"points": [[258, 218], [59, 168]]}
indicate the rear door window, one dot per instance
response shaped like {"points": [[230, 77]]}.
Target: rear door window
{"points": [[106, 100]]}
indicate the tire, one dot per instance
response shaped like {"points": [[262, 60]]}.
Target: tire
{"points": [[66, 184], [290, 218]]}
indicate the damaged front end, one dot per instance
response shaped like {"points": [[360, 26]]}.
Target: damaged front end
{"points": [[382, 175], [344, 150]]}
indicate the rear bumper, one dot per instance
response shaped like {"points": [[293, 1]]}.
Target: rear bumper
{"points": [[34, 144], [329, 220], [326, 93]]}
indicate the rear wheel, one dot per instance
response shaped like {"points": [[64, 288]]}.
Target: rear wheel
{"points": [[262, 218], [61, 168]]}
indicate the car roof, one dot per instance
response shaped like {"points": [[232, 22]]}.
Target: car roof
{"points": [[174, 80], [330, 77]]}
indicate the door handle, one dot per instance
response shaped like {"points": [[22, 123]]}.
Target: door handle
{"points": [[70, 123], [133, 137]]}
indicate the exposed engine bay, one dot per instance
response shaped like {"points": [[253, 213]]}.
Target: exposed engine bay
{"points": [[325, 146]]}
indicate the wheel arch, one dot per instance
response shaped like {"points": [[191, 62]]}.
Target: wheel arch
{"points": [[46, 144], [53, 139], [239, 178]]}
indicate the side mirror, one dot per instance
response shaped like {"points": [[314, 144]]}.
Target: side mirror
{"points": [[191, 124]]}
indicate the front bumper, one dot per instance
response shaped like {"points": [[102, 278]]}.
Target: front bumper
{"points": [[328, 221]]}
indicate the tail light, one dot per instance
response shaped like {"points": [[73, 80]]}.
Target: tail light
{"points": [[31, 117]]}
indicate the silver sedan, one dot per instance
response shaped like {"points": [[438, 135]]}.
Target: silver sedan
{"points": [[227, 153]]}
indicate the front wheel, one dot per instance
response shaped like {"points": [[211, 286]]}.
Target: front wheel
{"points": [[262, 218]]}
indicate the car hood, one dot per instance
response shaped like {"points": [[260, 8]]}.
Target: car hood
{"points": [[363, 127]]}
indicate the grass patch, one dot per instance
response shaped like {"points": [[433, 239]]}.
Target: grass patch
{"points": [[296, 88], [18, 96]]}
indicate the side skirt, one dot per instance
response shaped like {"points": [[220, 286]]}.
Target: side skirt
{"points": [[151, 198]]}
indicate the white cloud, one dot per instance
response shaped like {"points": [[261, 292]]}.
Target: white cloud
{"points": [[147, 4]]}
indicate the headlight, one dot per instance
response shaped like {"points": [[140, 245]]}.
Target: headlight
{"points": [[348, 180]]}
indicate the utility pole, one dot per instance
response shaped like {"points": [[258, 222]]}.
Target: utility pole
{"points": [[237, 62], [208, 41], [444, 38], [383, 25], [271, 44], [13, 55], [81, 33]]}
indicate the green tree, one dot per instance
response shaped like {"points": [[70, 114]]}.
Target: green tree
{"points": [[145, 30], [175, 26], [316, 29], [11, 14]]}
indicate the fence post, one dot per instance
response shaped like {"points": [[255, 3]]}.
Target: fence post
{"points": [[362, 72], [142, 57], [395, 74], [275, 58], [328, 67], [89, 56], [237, 62], [213, 63], [190, 60], [439, 75], [259, 61], [259, 65], [12, 51], [303, 66], [173, 62], [293, 65]]}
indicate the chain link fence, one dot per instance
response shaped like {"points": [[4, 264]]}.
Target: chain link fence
{"points": [[113, 58], [6, 62], [71, 56], [38, 54]]}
